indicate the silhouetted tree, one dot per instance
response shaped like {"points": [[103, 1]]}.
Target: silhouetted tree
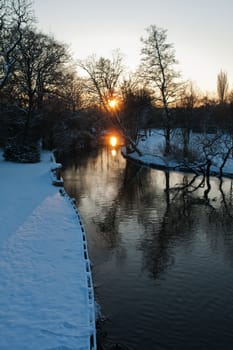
{"points": [[14, 16], [158, 61], [222, 86], [136, 105], [39, 71], [71, 91], [189, 99], [104, 77]]}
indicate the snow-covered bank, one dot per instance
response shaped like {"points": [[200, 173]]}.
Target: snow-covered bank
{"points": [[46, 287], [152, 155]]}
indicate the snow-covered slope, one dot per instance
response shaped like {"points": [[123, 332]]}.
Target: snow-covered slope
{"points": [[45, 279]]}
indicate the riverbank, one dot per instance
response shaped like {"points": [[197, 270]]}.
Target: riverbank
{"points": [[46, 287], [152, 156]]}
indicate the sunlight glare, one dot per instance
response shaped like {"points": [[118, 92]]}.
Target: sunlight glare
{"points": [[112, 103], [113, 151], [113, 141]]}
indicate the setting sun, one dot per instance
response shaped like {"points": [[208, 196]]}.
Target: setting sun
{"points": [[112, 103], [113, 141]]}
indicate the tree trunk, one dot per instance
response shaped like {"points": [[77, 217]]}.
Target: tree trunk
{"points": [[167, 141]]}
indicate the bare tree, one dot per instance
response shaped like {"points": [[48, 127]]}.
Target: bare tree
{"points": [[136, 107], [189, 96], [14, 16], [189, 99], [71, 90], [158, 61], [104, 82], [222, 86], [104, 76], [39, 71]]}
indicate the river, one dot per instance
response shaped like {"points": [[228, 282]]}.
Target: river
{"points": [[162, 254]]}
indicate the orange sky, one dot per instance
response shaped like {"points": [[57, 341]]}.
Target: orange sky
{"points": [[201, 31]]}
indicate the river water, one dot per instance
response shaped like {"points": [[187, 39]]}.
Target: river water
{"points": [[162, 254]]}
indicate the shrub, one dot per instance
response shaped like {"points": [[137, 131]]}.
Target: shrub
{"points": [[21, 153]]}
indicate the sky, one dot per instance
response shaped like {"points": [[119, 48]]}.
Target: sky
{"points": [[200, 30]]}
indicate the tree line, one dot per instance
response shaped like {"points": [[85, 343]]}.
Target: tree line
{"points": [[43, 97]]}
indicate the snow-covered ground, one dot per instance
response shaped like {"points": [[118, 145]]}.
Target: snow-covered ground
{"points": [[46, 288], [152, 148]]}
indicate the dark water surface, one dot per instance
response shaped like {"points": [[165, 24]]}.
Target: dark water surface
{"points": [[163, 257]]}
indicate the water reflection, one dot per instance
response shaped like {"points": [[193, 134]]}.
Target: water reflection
{"points": [[186, 202], [162, 249]]}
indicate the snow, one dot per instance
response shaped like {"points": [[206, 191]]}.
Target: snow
{"points": [[46, 287], [152, 148], [47, 300]]}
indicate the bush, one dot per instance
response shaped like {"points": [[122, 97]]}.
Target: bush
{"points": [[27, 153]]}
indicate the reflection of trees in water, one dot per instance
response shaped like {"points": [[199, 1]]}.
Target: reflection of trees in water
{"points": [[221, 202], [87, 177], [124, 201], [226, 201], [165, 217], [134, 195], [183, 211], [79, 159], [177, 211], [221, 217], [74, 170], [133, 192], [159, 238], [108, 226]]}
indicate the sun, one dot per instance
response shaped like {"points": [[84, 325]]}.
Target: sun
{"points": [[113, 141], [112, 103]]}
